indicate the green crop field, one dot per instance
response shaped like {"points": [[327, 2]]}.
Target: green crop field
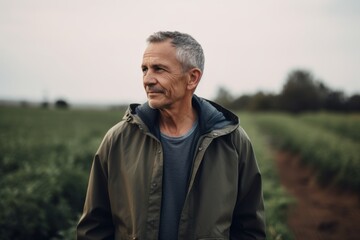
{"points": [[334, 154], [343, 125], [276, 200], [45, 158]]}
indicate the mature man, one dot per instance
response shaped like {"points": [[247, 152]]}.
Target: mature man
{"points": [[176, 167]]}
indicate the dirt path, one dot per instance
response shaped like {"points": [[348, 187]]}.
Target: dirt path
{"points": [[320, 214]]}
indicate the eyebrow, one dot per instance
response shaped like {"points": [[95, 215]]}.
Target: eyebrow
{"points": [[155, 65]]}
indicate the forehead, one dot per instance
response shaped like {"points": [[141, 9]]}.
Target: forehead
{"points": [[162, 51]]}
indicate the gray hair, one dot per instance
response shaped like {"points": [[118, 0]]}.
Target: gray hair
{"points": [[188, 51]]}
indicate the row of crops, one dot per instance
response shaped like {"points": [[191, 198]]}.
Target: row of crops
{"points": [[277, 201], [45, 158], [328, 143]]}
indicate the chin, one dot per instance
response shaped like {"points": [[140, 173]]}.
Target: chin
{"points": [[156, 104]]}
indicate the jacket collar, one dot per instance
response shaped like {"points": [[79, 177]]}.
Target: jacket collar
{"points": [[211, 115]]}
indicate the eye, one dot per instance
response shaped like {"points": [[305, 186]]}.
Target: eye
{"points": [[144, 70], [158, 69]]}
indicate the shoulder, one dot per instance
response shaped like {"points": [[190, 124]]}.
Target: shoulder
{"points": [[241, 141], [241, 135], [119, 130]]}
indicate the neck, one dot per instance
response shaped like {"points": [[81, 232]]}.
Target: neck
{"points": [[176, 122]]}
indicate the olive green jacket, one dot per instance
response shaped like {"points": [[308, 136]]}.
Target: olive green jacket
{"points": [[224, 198]]}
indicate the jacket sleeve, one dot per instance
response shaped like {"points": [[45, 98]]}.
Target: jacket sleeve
{"points": [[96, 220], [248, 217]]}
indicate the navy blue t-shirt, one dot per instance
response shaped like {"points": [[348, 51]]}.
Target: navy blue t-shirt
{"points": [[178, 156]]}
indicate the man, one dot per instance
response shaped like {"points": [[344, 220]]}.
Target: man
{"points": [[176, 167]]}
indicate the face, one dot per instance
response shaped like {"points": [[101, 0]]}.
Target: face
{"points": [[165, 82]]}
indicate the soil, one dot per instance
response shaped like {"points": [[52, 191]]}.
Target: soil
{"points": [[320, 213]]}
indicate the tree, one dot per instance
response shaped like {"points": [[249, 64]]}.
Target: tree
{"points": [[353, 103], [241, 103], [263, 102], [302, 92], [62, 104], [224, 97], [335, 101]]}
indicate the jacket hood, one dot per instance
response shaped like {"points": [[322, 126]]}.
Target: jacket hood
{"points": [[211, 116]]}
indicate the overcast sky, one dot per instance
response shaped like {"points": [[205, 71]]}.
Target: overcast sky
{"points": [[91, 51]]}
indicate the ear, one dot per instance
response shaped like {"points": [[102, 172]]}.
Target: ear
{"points": [[194, 78]]}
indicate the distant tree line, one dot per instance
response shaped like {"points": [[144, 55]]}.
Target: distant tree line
{"points": [[301, 92], [60, 104]]}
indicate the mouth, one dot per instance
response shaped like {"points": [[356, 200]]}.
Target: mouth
{"points": [[153, 94], [154, 90]]}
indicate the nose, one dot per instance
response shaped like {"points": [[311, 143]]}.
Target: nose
{"points": [[149, 79]]}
